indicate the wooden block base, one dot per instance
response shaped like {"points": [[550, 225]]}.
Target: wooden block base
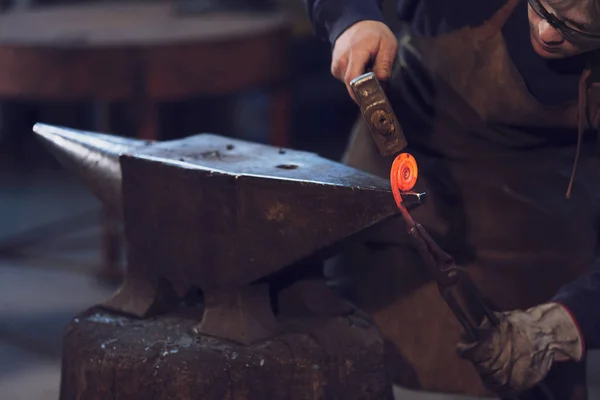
{"points": [[108, 356]]}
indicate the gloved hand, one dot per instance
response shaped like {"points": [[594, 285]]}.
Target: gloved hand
{"points": [[518, 354]]}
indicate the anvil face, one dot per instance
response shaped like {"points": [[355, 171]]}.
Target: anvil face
{"points": [[218, 212], [224, 155], [231, 156]]}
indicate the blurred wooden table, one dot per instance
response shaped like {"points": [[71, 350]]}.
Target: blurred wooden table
{"points": [[143, 54]]}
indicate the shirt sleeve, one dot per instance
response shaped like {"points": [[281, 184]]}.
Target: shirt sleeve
{"points": [[582, 298], [330, 18]]}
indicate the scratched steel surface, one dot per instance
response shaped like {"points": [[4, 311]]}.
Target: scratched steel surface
{"points": [[243, 158]]}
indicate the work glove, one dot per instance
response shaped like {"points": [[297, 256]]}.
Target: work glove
{"points": [[518, 353]]}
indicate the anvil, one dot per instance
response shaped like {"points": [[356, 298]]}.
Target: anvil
{"points": [[221, 215]]}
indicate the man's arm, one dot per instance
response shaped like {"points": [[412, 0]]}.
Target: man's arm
{"points": [[581, 297], [330, 18]]}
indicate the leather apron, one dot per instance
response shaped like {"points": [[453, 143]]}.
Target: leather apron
{"points": [[495, 204]]}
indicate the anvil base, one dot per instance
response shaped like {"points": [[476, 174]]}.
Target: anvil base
{"points": [[109, 356]]}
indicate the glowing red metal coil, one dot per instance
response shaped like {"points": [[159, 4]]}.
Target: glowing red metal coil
{"points": [[403, 175]]}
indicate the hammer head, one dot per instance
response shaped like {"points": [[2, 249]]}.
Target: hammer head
{"points": [[378, 114]]}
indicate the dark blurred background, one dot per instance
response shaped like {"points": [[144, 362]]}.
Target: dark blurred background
{"points": [[320, 119], [321, 112]]}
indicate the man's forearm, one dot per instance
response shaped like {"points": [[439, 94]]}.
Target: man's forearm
{"points": [[330, 18], [582, 298]]}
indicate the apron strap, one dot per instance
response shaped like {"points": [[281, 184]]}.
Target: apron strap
{"points": [[588, 108]]}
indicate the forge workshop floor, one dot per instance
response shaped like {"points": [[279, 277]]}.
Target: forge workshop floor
{"points": [[41, 290]]}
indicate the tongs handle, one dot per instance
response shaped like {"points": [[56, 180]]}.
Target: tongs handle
{"points": [[459, 291], [454, 283]]}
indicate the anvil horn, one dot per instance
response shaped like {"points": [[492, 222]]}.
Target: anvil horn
{"points": [[94, 157]]}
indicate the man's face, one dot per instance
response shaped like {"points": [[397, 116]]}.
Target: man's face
{"points": [[550, 42]]}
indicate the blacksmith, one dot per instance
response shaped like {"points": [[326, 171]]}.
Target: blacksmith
{"points": [[497, 101]]}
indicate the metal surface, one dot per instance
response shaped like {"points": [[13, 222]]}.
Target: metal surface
{"points": [[248, 311], [94, 158], [219, 214], [378, 114]]}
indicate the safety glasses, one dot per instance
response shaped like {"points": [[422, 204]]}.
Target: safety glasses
{"points": [[572, 35]]}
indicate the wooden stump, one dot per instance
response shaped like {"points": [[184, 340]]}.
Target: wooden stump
{"points": [[108, 356]]}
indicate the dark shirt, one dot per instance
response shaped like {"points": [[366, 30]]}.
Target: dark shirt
{"points": [[581, 297], [549, 81]]}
